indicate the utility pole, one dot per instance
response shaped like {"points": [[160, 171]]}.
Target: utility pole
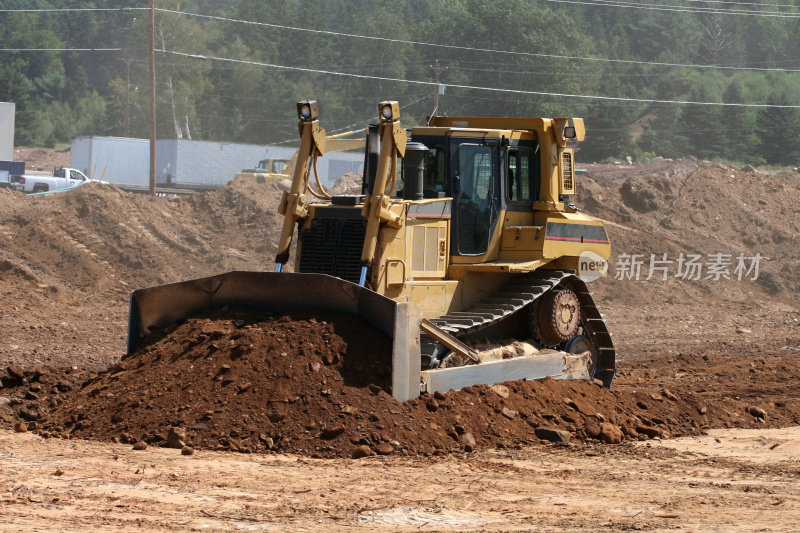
{"points": [[152, 98], [127, 62], [437, 69], [127, 93]]}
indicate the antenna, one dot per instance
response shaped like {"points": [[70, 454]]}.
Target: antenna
{"points": [[437, 69]]}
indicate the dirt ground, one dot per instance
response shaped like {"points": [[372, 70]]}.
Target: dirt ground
{"points": [[41, 159], [714, 360], [728, 480]]}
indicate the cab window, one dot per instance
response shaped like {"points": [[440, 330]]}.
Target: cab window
{"points": [[519, 174], [474, 216], [435, 177]]}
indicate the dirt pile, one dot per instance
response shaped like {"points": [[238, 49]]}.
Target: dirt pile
{"points": [[100, 238], [42, 159], [320, 387], [349, 183], [695, 208], [68, 261]]}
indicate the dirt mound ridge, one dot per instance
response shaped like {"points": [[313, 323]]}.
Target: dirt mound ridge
{"points": [[100, 238], [318, 387], [349, 183], [693, 207]]}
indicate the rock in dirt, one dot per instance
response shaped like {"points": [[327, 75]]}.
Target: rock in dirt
{"points": [[20, 427], [650, 431], [669, 395], [468, 439], [176, 437], [140, 445], [384, 448], [508, 413], [187, 450], [757, 412], [500, 390], [553, 435], [28, 414], [333, 431], [15, 373], [611, 434], [592, 429], [362, 451]]}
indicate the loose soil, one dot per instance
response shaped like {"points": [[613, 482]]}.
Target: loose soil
{"points": [[319, 387]]}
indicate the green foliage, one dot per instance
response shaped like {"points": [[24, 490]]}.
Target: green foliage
{"points": [[249, 95]]}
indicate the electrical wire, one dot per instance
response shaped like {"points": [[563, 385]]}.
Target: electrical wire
{"points": [[468, 48], [471, 87], [64, 49], [678, 9], [741, 3], [77, 9], [420, 43]]}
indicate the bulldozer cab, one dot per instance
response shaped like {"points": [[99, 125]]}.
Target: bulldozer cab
{"points": [[273, 165], [483, 176]]}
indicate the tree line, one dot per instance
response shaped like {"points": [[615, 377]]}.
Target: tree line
{"points": [[225, 75]]}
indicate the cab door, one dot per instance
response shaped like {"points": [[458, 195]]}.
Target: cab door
{"points": [[75, 178], [474, 197]]}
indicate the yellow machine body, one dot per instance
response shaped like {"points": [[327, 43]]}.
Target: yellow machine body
{"points": [[414, 259]]}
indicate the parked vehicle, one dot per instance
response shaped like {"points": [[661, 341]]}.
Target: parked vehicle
{"points": [[62, 178], [275, 170]]}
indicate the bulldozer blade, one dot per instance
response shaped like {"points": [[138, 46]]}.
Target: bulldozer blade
{"points": [[286, 293]]}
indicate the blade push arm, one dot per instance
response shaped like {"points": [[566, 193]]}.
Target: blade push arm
{"points": [[377, 201], [294, 203]]}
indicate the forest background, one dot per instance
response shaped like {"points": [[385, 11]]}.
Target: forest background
{"points": [[673, 78]]}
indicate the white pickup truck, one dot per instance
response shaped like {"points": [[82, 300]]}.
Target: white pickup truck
{"points": [[62, 178]]}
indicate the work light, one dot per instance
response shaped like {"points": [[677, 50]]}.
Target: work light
{"points": [[389, 111], [307, 111]]}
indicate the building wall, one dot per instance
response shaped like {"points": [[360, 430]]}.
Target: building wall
{"points": [[118, 160], [216, 163], [7, 131], [185, 162]]}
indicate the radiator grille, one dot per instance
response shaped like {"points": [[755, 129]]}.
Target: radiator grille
{"points": [[566, 166], [333, 247]]}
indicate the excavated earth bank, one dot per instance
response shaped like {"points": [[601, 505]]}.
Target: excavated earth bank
{"points": [[320, 386]]}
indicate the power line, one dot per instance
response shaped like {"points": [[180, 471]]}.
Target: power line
{"points": [[558, 72], [492, 89], [468, 48], [78, 9], [605, 3], [741, 3], [66, 49], [679, 9]]}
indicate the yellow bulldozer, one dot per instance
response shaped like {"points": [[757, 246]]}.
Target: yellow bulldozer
{"points": [[463, 248], [274, 170]]}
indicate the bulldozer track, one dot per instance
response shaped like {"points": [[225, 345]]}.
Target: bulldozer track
{"points": [[522, 291]]}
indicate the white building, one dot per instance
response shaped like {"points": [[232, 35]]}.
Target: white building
{"points": [[7, 131], [124, 161]]}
